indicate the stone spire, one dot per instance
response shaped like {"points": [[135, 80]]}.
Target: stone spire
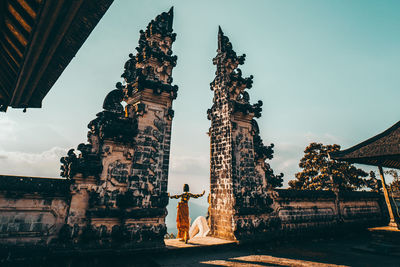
{"points": [[229, 77], [152, 65]]}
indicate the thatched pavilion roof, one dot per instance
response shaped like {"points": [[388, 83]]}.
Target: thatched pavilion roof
{"points": [[381, 150]]}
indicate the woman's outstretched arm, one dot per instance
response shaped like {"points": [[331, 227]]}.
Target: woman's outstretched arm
{"points": [[174, 196], [197, 195]]}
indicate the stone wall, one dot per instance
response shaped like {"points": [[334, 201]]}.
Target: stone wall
{"points": [[32, 210], [319, 213]]}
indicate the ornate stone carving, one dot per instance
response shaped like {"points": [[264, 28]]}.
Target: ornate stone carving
{"points": [[112, 102], [152, 66], [87, 163]]}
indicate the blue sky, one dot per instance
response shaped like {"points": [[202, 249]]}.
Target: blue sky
{"points": [[327, 71]]}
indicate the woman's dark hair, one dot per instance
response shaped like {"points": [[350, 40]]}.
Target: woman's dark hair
{"points": [[185, 188]]}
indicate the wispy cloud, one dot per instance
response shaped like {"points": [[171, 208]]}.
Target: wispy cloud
{"points": [[194, 165], [184, 167], [44, 164]]}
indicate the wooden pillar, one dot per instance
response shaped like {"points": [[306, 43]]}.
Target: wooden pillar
{"points": [[387, 199]]}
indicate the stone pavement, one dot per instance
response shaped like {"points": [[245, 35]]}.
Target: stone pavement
{"points": [[206, 252], [321, 253], [196, 242]]}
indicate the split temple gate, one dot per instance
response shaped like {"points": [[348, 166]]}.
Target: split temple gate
{"points": [[114, 194]]}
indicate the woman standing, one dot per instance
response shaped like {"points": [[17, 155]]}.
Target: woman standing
{"points": [[182, 218]]}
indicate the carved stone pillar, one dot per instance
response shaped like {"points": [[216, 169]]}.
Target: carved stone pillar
{"points": [[128, 150], [240, 177]]}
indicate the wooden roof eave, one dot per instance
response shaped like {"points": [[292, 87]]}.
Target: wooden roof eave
{"points": [[40, 50], [392, 161], [57, 31], [86, 18], [387, 159]]}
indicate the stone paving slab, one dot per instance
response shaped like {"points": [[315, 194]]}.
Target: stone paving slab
{"points": [[196, 242], [266, 260]]}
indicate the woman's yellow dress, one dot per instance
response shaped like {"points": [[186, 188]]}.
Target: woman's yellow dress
{"points": [[182, 217]]}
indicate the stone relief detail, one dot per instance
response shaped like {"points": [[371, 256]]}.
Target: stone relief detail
{"points": [[246, 227], [87, 163], [118, 171]]}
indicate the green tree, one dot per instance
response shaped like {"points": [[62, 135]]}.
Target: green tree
{"points": [[394, 186], [319, 172], [374, 183]]}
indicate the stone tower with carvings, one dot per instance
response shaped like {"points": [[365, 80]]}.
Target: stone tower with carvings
{"points": [[240, 177], [120, 176]]}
